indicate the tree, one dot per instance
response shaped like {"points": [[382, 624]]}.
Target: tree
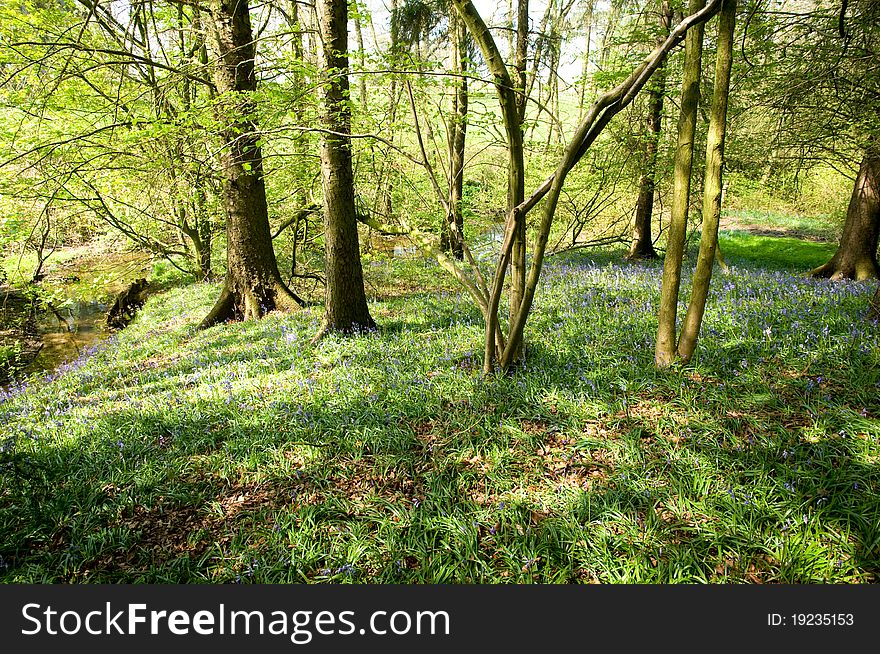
{"points": [[253, 285], [855, 80], [856, 256], [642, 246], [664, 350], [345, 300], [821, 76], [452, 232], [712, 186], [499, 350], [139, 161]]}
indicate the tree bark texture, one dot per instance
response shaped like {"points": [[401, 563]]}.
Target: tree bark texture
{"points": [[712, 186], [253, 285], [856, 256], [516, 171], [507, 96], [345, 300], [642, 246], [452, 234], [664, 353]]}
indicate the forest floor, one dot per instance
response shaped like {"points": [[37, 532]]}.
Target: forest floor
{"points": [[243, 453], [805, 228]]}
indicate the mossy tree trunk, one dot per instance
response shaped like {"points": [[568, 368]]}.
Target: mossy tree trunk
{"points": [[452, 233], [510, 97], [514, 117], [665, 349], [712, 186], [856, 256], [253, 285], [500, 350]]}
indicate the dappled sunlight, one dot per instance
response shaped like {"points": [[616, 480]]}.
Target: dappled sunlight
{"points": [[243, 452]]}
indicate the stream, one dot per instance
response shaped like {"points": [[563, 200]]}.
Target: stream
{"points": [[56, 337], [66, 335]]}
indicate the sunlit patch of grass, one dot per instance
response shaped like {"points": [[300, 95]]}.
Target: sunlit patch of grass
{"points": [[774, 252], [820, 228], [243, 453]]}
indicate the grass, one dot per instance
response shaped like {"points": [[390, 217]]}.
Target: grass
{"points": [[777, 253], [821, 228], [244, 454]]}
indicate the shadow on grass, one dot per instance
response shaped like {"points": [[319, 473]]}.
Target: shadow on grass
{"points": [[503, 487], [586, 465]]}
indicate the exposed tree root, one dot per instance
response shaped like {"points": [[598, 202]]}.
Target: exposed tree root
{"points": [[247, 304], [859, 270]]}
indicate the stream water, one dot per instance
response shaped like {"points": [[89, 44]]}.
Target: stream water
{"points": [[56, 336], [66, 335]]}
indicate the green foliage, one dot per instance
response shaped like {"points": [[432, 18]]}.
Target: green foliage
{"points": [[10, 359]]}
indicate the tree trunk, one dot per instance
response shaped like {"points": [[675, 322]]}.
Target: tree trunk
{"points": [[345, 300], [585, 74], [362, 78], [664, 354], [452, 234], [856, 256], [555, 45], [203, 229], [508, 98], [253, 284], [516, 171], [642, 246], [600, 114], [296, 43], [712, 187], [522, 51], [386, 175]]}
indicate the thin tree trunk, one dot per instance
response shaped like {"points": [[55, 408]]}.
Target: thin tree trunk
{"points": [[199, 233], [516, 170], [664, 354], [296, 43], [203, 228], [712, 186], [534, 78], [585, 75], [511, 31], [600, 114], [453, 228], [553, 80], [394, 51], [253, 284], [345, 300], [522, 51], [856, 256], [362, 78], [642, 246]]}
